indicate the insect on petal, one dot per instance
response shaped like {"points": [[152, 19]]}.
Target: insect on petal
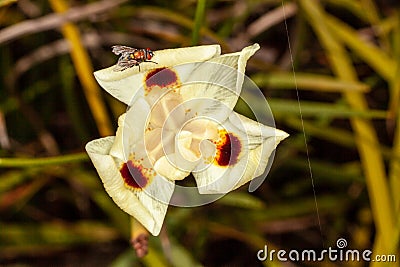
{"points": [[124, 85], [179, 120]]}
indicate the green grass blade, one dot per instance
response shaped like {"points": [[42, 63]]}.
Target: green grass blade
{"points": [[370, 155], [371, 54], [307, 81], [198, 21], [242, 200], [318, 109], [33, 162]]}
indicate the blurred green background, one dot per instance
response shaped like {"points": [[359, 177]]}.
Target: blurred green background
{"points": [[328, 68]]}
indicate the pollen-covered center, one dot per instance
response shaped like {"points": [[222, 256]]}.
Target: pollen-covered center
{"points": [[135, 176], [228, 149], [161, 77]]}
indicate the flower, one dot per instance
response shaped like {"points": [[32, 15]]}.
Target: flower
{"points": [[180, 120]]}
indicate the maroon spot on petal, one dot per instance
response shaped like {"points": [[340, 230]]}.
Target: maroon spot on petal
{"points": [[135, 175], [162, 77], [228, 149]]}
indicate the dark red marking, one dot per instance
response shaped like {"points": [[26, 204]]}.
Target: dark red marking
{"points": [[134, 175], [162, 77], [228, 149]]}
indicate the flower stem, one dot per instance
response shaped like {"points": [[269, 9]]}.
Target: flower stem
{"points": [[34, 162]]}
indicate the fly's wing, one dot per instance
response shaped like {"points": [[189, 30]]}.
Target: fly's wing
{"points": [[123, 64], [121, 49]]}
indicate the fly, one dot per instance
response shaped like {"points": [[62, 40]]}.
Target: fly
{"points": [[131, 56]]}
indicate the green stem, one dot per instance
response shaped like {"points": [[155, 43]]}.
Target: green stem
{"points": [[34, 162], [198, 21]]}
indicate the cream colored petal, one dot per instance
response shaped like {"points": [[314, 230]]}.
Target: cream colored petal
{"points": [[262, 140], [167, 166], [131, 129], [183, 146], [202, 128], [192, 142], [257, 143], [124, 85], [149, 205], [158, 143], [213, 87], [192, 153], [215, 179], [167, 112]]}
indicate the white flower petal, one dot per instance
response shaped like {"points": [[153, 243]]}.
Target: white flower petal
{"points": [[167, 112], [124, 85], [184, 141], [202, 129], [243, 155], [131, 128], [214, 86], [167, 166], [214, 179], [158, 143], [262, 140], [148, 205]]}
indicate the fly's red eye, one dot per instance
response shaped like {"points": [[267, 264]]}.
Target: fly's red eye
{"points": [[149, 54]]}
